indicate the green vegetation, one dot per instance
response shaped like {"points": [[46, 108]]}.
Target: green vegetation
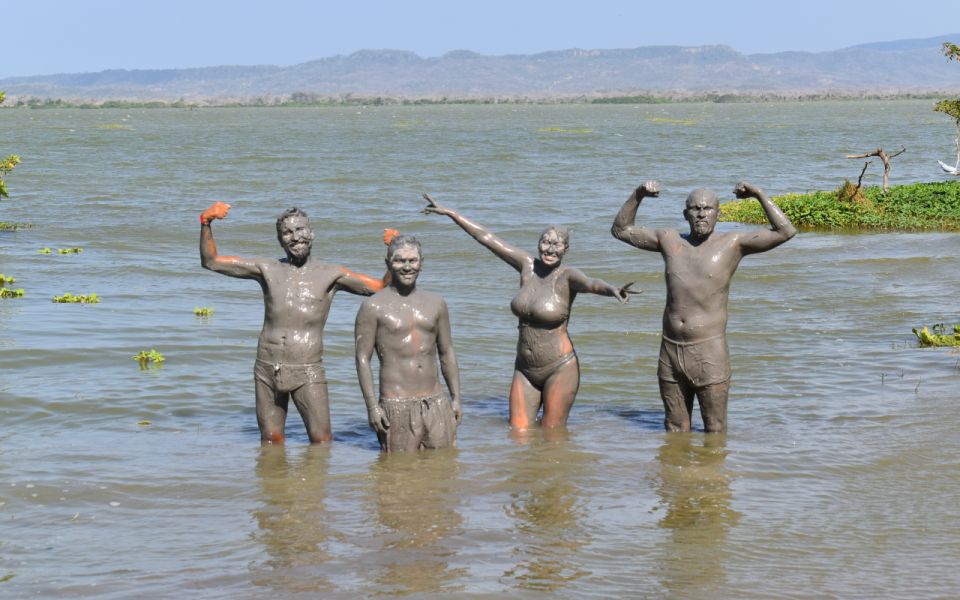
{"points": [[69, 298], [951, 108], [44, 251], [915, 207], [5, 280], [938, 337], [563, 130], [205, 311], [69, 250], [146, 357], [8, 293]]}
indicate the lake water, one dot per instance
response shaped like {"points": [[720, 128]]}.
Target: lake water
{"points": [[840, 476]]}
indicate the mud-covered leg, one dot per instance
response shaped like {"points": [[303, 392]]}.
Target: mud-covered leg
{"points": [[559, 392], [677, 405], [713, 406], [524, 402], [314, 406], [271, 413]]}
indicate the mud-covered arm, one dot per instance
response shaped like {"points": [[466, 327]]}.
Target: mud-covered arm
{"points": [[512, 256], [234, 266], [624, 227], [366, 285], [579, 282], [764, 239], [448, 360], [364, 335]]}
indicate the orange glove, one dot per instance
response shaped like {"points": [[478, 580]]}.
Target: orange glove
{"points": [[217, 210]]}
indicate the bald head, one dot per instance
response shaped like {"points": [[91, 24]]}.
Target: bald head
{"points": [[701, 212]]}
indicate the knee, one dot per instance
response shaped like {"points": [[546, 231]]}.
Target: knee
{"points": [[673, 424]]}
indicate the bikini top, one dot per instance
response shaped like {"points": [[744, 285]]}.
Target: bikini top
{"points": [[538, 302]]}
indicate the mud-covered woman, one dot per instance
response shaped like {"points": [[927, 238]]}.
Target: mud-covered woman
{"points": [[547, 371]]}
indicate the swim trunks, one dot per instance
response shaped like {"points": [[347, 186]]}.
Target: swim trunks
{"points": [[284, 378], [700, 363], [539, 375], [418, 422]]}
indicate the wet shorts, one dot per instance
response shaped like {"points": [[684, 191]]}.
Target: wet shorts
{"points": [[419, 422], [699, 363], [284, 378]]}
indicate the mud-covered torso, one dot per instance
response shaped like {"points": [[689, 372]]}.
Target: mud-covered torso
{"points": [[543, 307], [698, 283], [296, 304]]}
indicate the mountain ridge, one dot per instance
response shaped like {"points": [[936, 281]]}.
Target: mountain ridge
{"points": [[898, 66]]}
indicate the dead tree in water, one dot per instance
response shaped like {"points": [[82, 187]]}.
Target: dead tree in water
{"points": [[884, 157]]}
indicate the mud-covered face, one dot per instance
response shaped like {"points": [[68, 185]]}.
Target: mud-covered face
{"points": [[296, 238], [405, 265], [552, 248], [702, 211]]}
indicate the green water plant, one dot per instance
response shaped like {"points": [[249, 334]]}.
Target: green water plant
{"points": [[148, 357], [69, 250], [913, 207], [6, 164], [69, 298], [203, 311], [44, 251], [11, 293], [4, 280], [937, 336]]}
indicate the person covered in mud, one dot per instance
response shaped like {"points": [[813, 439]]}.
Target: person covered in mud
{"points": [[694, 359], [546, 371], [297, 293], [409, 328]]}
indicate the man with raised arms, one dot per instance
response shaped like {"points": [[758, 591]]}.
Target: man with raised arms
{"points": [[694, 359], [297, 292], [408, 328]]}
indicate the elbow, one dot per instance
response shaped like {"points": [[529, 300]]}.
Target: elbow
{"points": [[617, 230], [789, 231]]}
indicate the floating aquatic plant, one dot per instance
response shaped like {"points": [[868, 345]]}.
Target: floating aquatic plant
{"points": [[146, 357], [203, 311], [44, 251], [69, 298], [671, 121], [9, 293], [564, 130], [69, 250], [4, 280], [938, 337]]}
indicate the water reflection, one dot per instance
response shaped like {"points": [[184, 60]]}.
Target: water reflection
{"points": [[547, 505], [416, 497], [694, 487], [294, 526]]}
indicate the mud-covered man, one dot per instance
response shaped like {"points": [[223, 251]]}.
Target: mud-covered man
{"points": [[409, 328], [297, 292], [694, 360]]}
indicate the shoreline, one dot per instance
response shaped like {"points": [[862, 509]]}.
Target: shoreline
{"points": [[302, 100]]}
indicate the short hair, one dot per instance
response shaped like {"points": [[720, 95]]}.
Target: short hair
{"points": [[290, 212], [561, 230], [403, 240]]}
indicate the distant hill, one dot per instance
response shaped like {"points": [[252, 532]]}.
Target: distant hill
{"points": [[903, 66]]}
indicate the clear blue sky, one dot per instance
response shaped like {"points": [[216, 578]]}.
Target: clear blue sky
{"points": [[42, 37]]}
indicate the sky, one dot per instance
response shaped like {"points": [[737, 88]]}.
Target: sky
{"points": [[42, 37]]}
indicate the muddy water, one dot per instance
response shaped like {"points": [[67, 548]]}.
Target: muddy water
{"points": [[839, 476]]}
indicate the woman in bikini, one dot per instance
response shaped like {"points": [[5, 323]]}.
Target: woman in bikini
{"points": [[547, 372]]}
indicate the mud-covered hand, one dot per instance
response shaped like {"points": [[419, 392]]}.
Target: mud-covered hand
{"points": [[378, 419], [648, 188], [746, 190], [623, 293], [457, 410], [217, 210], [433, 207]]}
